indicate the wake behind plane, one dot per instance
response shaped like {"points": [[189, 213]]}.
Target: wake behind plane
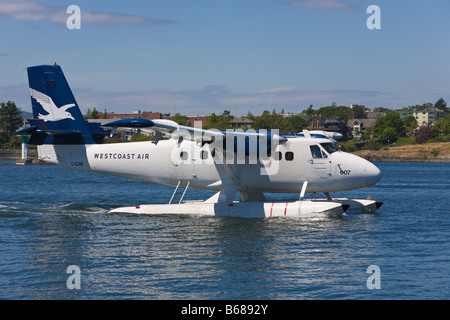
{"points": [[234, 163]]}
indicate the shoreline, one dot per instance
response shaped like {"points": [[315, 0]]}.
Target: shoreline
{"points": [[438, 152], [431, 152]]}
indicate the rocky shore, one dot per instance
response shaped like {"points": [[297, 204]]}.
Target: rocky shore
{"points": [[430, 152], [16, 154]]}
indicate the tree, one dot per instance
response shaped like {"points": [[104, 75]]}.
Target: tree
{"points": [[250, 116], [410, 124], [91, 114], [425, 132], [381, 109], [342, 112], [359, 112], [309, 110], [388, 135], [264, 121], [442, 125], [10, 118], [441, 104], [221, 122], [182, 120], [423, 107], [297, 122], [389, 120]]}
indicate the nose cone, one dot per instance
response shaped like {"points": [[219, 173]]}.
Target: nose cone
{"points": [[372, 174]]}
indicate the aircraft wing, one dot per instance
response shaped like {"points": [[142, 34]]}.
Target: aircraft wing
{"points": [[227, 141], [170, 129], [165, 128]]}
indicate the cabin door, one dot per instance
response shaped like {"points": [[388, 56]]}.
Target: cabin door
{"points": [[319, 161], [183, 161]]}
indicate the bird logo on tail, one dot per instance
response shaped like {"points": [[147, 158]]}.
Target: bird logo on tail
{"points": [[54, 113]]}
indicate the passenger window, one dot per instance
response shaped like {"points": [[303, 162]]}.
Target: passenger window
{"points": [[278, 156], [204, 154], [289, 156], [315, 151], [183, 155]]}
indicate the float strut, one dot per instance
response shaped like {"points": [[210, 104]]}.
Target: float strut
{"points": [[302, 193]]}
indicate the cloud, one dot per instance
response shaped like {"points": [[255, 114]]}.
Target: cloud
{"points": [[19, 93], [218, 98], [321, 5], [30, 11], [274, 90]]}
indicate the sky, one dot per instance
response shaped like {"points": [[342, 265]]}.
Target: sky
{"points": [[196, 57]]}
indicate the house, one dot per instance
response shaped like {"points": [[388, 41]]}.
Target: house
{"points": [[241, 122], [135, 114], [373, 116], [317, 122], [405, 113], [202, 119], [430, 115], [360, 125]]}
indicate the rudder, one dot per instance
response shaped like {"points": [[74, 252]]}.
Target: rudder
{"points": [[55, 108]]}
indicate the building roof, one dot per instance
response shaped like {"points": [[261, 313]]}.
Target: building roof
{"points": [[374, 115], [366, 123], [143, 115], [241, 120]]}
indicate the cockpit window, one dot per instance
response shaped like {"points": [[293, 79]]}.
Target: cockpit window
{"points": [[329, 147], [315, 151]]}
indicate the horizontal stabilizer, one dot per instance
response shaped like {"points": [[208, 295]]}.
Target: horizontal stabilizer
{"points": [[27, 131], [131, 123], [38, 126], [39, 131]]}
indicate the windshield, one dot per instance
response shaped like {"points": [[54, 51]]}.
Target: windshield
{"points": [[329, 147]]}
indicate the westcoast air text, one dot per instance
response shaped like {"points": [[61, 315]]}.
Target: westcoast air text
{"points": [[122, 156]]}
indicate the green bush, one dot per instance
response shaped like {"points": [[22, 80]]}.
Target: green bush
{"points": [[404, 141], [374, 145]]}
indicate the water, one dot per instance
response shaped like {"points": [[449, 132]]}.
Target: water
{"points": [[52, 218]]}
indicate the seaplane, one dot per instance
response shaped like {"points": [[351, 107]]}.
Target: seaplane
{"points": [[239, 166]]}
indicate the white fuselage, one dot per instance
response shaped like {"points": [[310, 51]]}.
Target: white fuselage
{"points": [[169, 162]]}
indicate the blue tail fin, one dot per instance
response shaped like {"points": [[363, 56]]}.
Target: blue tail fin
{"points": [[58, 118]]}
